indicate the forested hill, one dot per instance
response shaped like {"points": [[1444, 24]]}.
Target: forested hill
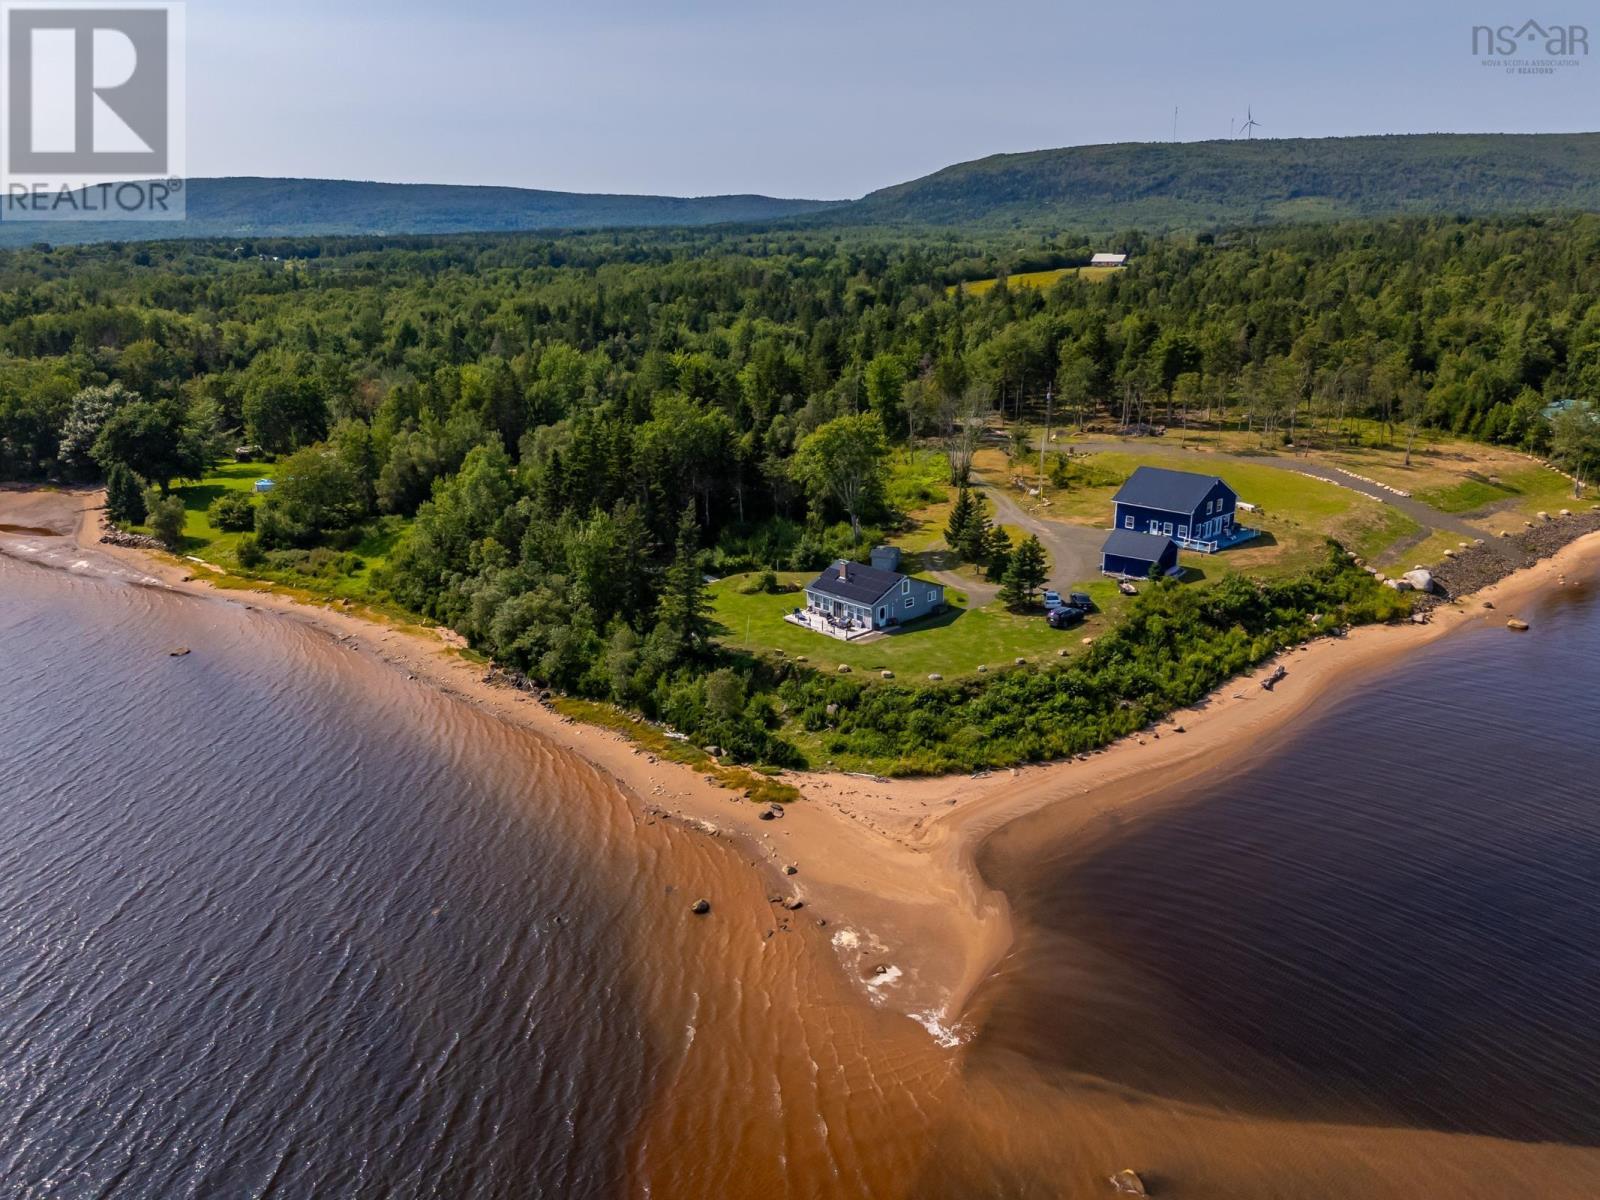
{"points": [[1093, 190], [1195, 185], [247, 207]]}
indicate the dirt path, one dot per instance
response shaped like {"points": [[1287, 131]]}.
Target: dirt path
{"points": [[1074, 549]]}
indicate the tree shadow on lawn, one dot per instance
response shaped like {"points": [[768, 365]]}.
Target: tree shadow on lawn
{"points": [[197, 497]]}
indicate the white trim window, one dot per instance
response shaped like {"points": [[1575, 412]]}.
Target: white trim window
{"points": [[911, 601], [1127, 522], [905, 587], [1183, 531], [1167, 529]]}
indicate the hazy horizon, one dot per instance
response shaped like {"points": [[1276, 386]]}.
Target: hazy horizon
{"points": [[829, 103]]}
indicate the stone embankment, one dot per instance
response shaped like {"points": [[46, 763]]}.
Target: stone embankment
{"points": [[1476, 567], [130, 541]]}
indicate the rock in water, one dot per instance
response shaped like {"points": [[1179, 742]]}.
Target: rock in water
{"points": [[1518, 624], [178, 652], [1126, 1182], [701, 908]]}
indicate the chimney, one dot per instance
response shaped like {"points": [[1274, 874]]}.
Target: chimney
{"points": [[844, 571]]}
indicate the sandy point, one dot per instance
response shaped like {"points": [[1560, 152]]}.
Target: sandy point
{"points": [[884, 870]]}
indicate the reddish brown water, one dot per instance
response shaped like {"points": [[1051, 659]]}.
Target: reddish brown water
{"points": [[280, 922]]}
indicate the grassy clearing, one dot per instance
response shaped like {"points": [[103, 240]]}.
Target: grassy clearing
{"points": [[200, 537], [756, 786], [918, 480], [953, 644], [1296, 511], [1043, 280], [323, 575]]}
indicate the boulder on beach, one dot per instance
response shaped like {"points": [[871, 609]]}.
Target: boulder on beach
{"points": [[1399, 585], [1421, 579], [701, 908], [1518, 624], [1126, 1182]]}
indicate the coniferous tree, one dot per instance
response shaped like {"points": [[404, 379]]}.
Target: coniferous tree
{"points": [[683, 618], [1025, 575], [124, 495], [962, 513], [997, 554]]}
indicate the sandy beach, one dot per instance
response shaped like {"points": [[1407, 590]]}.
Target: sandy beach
{"points": [[885, 868]]}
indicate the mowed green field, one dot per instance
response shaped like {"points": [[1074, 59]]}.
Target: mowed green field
{"points": [[1043, 280], [956, 643]]}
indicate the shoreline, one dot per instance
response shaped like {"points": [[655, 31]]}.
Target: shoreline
{"points": [[887, 870]]}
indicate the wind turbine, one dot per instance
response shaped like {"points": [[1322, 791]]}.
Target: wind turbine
{"points": [[1250, 124]]}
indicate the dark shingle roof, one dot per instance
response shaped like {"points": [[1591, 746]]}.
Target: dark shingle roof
{"points": [[1169, 491], [863, 585], [1145, 547]]}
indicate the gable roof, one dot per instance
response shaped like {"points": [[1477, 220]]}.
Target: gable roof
{"points": [[1144, 547], [862, 585], [1169, 491]]}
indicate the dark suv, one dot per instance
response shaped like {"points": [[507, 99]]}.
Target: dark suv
{"points": [[1065, 617]]}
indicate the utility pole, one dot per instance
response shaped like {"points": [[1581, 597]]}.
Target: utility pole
{"points": [[1049, 396]]}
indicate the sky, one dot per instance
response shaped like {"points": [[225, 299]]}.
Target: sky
{"points": [[827, 99]]}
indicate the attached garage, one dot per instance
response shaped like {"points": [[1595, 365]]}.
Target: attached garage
{"points": [[1128, 554]]}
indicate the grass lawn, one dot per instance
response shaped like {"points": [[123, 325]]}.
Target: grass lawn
{"points": [[203, 540], [955, 643], [200, 537], [1297, 512]]}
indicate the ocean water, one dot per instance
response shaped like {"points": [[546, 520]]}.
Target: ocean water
{"points": [[1388, 914], [276, 921], [269, 932]]}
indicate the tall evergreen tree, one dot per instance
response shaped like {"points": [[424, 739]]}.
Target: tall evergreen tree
{"points": [[683, 618], [962, 513], [997, 553], [1025, 575]]}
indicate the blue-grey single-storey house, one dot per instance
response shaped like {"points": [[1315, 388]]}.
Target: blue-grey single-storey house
{"points": [[867, 598], [1132, 555], [1196, 511]]}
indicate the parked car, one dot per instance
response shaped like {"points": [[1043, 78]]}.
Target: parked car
{"points": [[1081, 601], [1064, 617]]}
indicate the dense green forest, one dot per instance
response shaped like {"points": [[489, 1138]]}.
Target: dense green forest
{"points": [[562, 437]]}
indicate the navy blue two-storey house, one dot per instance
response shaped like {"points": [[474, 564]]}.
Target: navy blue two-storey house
{"points": [[1196, 511]]}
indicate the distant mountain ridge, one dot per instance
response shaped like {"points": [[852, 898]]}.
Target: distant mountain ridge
{"points": [[1192, 185], [1155, 186], [253, 207]]}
